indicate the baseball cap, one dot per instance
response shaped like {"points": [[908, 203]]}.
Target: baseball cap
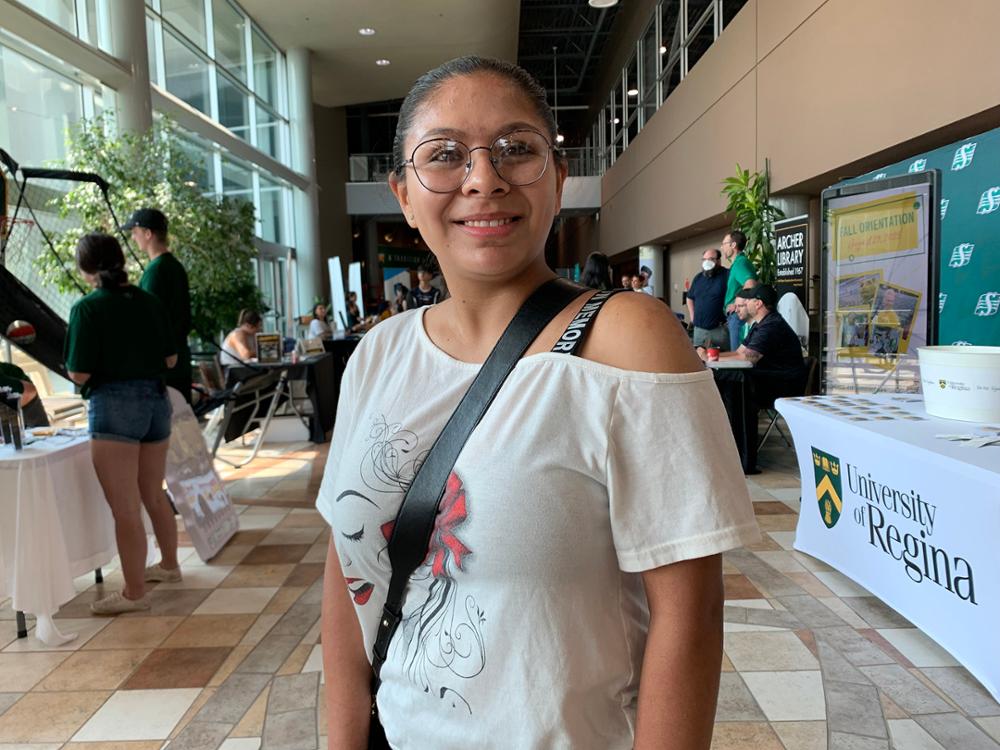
{"points": [[764, 292], [147, 218]]}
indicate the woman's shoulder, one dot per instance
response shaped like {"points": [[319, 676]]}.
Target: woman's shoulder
{"points": [[637, 332]]}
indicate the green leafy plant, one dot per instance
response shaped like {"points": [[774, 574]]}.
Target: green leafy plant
{"points": [[213, 238], [749, 196]]}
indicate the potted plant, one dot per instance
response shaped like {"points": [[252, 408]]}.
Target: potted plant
{"points": [[749, 196]]}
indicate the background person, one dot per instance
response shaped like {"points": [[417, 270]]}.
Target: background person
{"points": [[597, 272], [166, 279], [638, 581], [424, 293], [241, 343], [740, 270], [704, 302], [318, 327], [400, 292], [118, 347]]}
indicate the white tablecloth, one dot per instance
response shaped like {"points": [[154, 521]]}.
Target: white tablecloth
{"points": [[54, 522], [912, 518]]}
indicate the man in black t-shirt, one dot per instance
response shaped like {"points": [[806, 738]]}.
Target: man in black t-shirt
{"points": [[423, 294], [704, 302], [771, 344]]}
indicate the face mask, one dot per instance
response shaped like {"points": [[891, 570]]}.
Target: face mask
{"points": [[708, 265]]}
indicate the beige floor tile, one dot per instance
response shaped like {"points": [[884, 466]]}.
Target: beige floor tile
{"points": [[203, 631], [890, 709], [244, 743], [137, 715], [30, 745], [840, 584], [750, 603], [260, 628], [94, 670], [294, 663], [315, 663], [256, 576], [801, 735], [49, 717], [782, 561], [236, 656], [240, 601], [809, 562], [788, 696], [252, 723], [284, 599], [198, 577], [256, 522], [231, 554], [85, 628], [21, 672], [148, 745], [907, 734], [293, 535], [768, 652], [990, 725], [810, 583], [317, 553], [192, 711], [918, 647], [739, 735], [785, 539], [136, 632], [849, 615], [727, 666], [300, 517]]}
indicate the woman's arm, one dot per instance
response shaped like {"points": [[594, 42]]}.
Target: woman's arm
{"points": [[348, 673], [680, 669], [243, 350]]}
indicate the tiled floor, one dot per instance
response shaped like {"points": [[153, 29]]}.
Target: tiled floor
{"points": [[229, 658]]}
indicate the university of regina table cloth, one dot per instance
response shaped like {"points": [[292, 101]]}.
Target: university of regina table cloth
{"points": [[911, 517], [54, 524]]}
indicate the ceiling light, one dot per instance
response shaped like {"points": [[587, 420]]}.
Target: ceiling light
{"points": [[367, 31], [382, 62], [602, 3], [616, 121], [633, 92], [560, 138], [663, 50]]}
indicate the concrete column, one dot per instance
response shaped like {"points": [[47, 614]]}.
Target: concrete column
{"points": [[651, 257], [310, 264], [128, 36]]}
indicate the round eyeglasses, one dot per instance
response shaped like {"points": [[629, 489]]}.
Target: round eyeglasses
{"points": [[442, 165]]}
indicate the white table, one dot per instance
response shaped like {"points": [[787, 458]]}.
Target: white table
{"points": [[912, 518], [55, 525]]}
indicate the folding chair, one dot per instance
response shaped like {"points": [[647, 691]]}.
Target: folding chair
{"points": [[772, 413]]}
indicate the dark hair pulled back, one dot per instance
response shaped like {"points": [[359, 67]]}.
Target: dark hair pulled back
{"points": [[597, 272], [432, 80], [249, 317], [100, 254]]}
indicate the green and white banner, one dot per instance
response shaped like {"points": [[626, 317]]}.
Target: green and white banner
{"points": [[969, 299]]}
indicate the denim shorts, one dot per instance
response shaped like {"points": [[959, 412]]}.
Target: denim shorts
{"points": [[130, 411]]}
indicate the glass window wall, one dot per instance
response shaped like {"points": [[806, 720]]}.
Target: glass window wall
{"points": [[234, 106], [188, 17], [186, 73], [265, 69], [230, 38]]}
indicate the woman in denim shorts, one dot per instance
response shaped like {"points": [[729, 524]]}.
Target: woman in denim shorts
{"points": [[118, 348]]}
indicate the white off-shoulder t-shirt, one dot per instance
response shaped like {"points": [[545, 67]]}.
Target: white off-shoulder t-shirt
{"points": [[526, 624]]}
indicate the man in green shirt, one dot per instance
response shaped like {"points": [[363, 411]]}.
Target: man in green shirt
{"points": [[166, 279], [740, 270]]}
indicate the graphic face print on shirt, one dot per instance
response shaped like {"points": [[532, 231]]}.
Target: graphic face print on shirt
{"points": [[441, 636]]}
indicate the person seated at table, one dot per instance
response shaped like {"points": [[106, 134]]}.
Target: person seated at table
{"points": [[771, 346], [32, 410], [318, 327], [240, 346], [119, 346], [745, 322]]}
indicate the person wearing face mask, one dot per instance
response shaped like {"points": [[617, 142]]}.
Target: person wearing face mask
{"points": [[704, 302]]}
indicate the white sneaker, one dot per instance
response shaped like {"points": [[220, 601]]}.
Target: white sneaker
{"points": [[158, 574], [117, 604]]}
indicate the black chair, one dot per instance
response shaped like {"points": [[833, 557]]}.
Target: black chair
{"points": [[806, 388]]}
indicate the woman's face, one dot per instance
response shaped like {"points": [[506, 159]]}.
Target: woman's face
{"points": [[476, 109], [637, 283], [321, 311]]}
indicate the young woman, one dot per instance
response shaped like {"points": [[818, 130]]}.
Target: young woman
{"points": [[318, 327], [596, 272], [118, 347], [241, 343], [578, 541], [400, 292]]}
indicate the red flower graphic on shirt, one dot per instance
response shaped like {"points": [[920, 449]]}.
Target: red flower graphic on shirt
{"points": [[451, 513]]}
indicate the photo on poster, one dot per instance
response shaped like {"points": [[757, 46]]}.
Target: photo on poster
{"points": [[857, 290], [268, 348], [896, 306], [884, 341], [854, 328]]}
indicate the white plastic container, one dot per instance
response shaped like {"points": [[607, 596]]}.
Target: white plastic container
{"points": [[961, 382]]}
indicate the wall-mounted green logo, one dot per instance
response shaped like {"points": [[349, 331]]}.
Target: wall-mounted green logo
{"points": [[828, 487]]}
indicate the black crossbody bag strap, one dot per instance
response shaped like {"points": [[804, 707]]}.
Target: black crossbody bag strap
{"points": [[411, 534], [575, 333]]}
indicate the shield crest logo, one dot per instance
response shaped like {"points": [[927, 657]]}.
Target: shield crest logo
{"points": [[942, 384], [829, 488]]}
